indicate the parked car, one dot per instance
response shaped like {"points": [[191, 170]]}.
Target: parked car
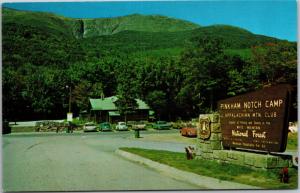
{"points": [[189, 131], [105, 126], [130, 124], [90, 126], [162, 125], [121, 126], [141, 125], [6, 128]]}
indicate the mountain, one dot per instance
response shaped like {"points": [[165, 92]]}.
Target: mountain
{"points": [[45, 22], [38, 38], [135, 22], [234, 38], [46, 39], [96, 27]]}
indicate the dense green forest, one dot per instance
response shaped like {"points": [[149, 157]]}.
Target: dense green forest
{"points": [[179, 68]]}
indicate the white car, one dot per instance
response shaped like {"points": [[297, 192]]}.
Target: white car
{"points": [[140, 125], [121, 126], [90, 126]]}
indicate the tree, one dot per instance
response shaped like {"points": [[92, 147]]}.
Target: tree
{"points": [[204, 66], [85, 90], [278, 62], [12, 100], [160, 80], [157, 100], [44, 90], [126, 90], [243, 76]]}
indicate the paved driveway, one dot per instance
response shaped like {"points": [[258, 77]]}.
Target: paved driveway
{"points": [[78, 162]]}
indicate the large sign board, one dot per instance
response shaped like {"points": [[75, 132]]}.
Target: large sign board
{"points": [[257, 120]]}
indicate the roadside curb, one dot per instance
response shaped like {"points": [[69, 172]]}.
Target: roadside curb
{"points": [[201, 181]]}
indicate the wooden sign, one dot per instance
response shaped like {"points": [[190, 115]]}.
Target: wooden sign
{"points": [[257, 120]]}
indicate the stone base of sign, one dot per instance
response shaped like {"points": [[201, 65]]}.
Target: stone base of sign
{"points": [[211, 149], [249, 159], [207, 146]]}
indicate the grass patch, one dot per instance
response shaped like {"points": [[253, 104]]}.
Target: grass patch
{"points": [[292, 143], [169, 137], [222, 171]]}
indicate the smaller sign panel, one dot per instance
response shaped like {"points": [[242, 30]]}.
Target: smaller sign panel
{"points": [[257, 120], [204, 128], [70, 117]]}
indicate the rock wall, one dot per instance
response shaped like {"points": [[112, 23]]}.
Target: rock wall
{"points": [[209, 142]]}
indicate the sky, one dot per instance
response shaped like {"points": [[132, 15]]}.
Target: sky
{"points": [[275, 18]]}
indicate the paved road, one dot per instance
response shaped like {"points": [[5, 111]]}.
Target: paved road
{"points": [[79, 162]]}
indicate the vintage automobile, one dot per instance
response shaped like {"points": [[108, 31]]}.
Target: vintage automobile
{"points": [[89, 126], [121, 126], [105, 126], [130, 124], [141, 125], [162, 125], [6, 128], [189, 131]]}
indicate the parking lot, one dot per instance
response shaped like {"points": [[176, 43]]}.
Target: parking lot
{"points": [[83, 161]]}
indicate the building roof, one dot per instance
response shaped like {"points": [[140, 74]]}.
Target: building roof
{"points": [[108, 104], [151, 113]]}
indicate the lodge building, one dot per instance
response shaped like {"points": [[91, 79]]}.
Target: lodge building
{"points": [[105, 110]]}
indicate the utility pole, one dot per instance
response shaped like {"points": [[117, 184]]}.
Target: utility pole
{"points": [[70, 114], [70, 98]]}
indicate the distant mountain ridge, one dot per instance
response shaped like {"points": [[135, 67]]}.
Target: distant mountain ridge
{"points": [[135, 22], [108, 26], [44, 38], [101, 26]]}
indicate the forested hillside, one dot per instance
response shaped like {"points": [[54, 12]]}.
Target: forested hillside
{"points": [[179, 68]]}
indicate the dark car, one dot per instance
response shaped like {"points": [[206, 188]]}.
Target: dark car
{"points": [[162, 125], [105, 126], [189, 131], [6, 128]]}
